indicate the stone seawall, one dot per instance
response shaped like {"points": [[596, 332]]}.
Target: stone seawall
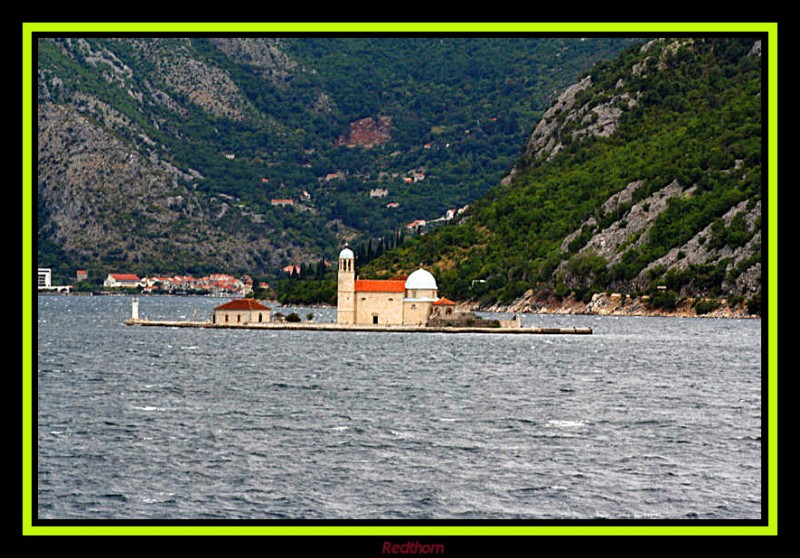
{"points": [[374, 328]]}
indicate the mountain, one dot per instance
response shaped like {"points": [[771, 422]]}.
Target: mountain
{"points": [[642, 178], [200, 154]]}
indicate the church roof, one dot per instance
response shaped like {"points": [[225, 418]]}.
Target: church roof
{"points": [[443, 301], [380, 286], [242, 304], [421, 279]]}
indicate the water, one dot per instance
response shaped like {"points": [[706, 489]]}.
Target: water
{"points": [[647, 418]]}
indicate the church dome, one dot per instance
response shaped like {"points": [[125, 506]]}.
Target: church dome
{"points": [[421, 280], [346, 254]]}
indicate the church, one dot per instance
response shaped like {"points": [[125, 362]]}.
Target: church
{"points": [[407, 301]]}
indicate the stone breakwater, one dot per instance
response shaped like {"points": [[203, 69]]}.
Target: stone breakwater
{"points": [[615, 305], [308, 326]]}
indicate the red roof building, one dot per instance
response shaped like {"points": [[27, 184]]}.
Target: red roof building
{"points": [[443, 308], [121, 280], [241, 311], [380, 286], [242, 304], [125, 277]]}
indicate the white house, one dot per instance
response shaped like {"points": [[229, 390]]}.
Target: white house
{"points": [[121, 280]]}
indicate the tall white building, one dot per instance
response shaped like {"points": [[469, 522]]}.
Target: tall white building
{"points": [[45, 277]]}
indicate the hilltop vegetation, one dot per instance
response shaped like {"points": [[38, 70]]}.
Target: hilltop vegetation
{"points": [[167, 153], [643, 177]]}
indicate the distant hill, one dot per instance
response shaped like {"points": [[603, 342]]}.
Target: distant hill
{"points": [[643, 177], [201, 154]]}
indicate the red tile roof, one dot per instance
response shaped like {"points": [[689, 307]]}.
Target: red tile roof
{"points": [[124, 277], [443, 301], [379, 286], [242, 304]]}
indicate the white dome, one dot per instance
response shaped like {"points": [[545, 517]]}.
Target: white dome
{"points": [[421, 279], [346, 254]]}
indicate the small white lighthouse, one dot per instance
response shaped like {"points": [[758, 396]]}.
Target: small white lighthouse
{"points": [[135, 308]]}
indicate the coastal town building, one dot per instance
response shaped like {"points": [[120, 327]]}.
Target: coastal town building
{"points": [[241, 311], [44, 281], [401, 301], [215, 284], [122, 280], [44, 277]]}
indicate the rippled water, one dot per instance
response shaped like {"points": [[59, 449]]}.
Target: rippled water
{"points": [[647, 418]]}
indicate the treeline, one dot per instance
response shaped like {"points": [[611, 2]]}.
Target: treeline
{"points": [[316, 283]]}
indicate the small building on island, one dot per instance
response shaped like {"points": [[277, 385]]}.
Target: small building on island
{"points": [[443, 308], [241, 311]]}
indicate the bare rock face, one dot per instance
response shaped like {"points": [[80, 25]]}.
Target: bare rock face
{"points": [[84, 172], [701, 249], [368, 133], [266, 54], [631, 225], [631, 229], [544, 141]]}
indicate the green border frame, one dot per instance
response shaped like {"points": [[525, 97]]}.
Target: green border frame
{"points": [[638, 28]]}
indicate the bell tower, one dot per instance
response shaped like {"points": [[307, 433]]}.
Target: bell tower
{"points": [[346, 295]]}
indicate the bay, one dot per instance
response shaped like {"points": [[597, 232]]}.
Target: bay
{"points": [[648, 418]]}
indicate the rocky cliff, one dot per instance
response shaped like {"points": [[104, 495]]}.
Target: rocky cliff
{"points": [[726, 251], [104, 200]]}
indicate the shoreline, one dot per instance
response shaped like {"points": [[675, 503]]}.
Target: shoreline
{"points": [[601, 305], [614, 305]]}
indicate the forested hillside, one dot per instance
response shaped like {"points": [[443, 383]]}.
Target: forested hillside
{"points": [[643, 177], [200, 154]]}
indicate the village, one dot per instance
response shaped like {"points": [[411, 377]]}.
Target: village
{"points": [[215, 284]]}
